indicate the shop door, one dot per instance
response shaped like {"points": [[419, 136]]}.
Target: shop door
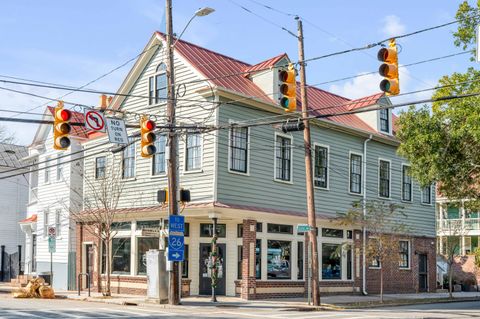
{"points": [[89, 262], [205, 281], [422, 273]]}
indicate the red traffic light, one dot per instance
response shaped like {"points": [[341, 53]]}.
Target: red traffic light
{"points": [[149, 125], [63, 114]]}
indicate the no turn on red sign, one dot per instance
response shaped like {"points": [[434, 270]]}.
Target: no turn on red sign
{"points": [[94, 121]]}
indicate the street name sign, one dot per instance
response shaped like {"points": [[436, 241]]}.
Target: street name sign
{"points": [[117, 132], [94, 121], [303, 228], [176, 229]]}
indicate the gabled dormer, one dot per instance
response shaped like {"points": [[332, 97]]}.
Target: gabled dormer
{"points": [[381, 117], [265, 75]]}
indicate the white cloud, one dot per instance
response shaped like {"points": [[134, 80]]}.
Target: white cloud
{"points": [[358, 87], [392, 26]]}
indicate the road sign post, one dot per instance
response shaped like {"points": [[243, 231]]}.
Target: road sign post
{"points": [[176, 229], [52, 246]]}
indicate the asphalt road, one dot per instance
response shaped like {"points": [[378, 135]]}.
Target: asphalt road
{"points": [[36, 308]]}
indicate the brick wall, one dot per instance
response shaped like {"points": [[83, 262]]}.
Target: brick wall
{"points": [[248, 282]]}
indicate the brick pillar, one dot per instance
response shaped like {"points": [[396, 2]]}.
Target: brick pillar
{"points": [[249, 282]]}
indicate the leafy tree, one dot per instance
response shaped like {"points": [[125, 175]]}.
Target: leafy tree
{"points": [[383, 222], [443, 145]]}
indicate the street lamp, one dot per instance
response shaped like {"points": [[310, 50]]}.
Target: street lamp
{"points": [[199, 13]]}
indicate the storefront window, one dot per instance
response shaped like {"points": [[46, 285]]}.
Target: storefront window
{"points": [[148, 224], [185, 262], [120, 226], [278, 259], [206, 230], [300, 260], [144, 244], [121, 256], [332, 232], [331, 261], [258, 259], [239, 261]]}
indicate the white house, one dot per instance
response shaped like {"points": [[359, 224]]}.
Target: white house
{"points": [[55, 190]]}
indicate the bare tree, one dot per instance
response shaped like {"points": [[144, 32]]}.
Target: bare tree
{"points": [[385, 229], [5, 137]]}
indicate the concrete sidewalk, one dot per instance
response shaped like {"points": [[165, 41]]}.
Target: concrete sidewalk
{"points": [[329, 301]]}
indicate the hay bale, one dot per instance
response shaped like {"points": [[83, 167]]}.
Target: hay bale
{"points": [[46, 292]]}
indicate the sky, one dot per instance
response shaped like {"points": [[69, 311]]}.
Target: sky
{"points": [[74, 42]]}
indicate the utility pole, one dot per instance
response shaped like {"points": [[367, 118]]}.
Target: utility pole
{"points": [[308, 170], [173, 287]]}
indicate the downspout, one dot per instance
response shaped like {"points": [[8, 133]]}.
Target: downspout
{"points": [[364, 229]]}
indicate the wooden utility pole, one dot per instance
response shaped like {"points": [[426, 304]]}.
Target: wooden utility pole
{"points": [[308, 170], [173, 288]]}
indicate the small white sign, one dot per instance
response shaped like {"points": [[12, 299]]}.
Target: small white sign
{"points": [[94, 121], [117, 132], [52, 232]]}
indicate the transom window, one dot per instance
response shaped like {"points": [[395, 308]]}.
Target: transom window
{"points": [[128, 160], [321, 167], [157, 85], [100, 167], [355, 173], [283, 158], [406, 184], [384, 121], [384, 179], [404, 250], [332, 232], [159, 156], [239, 149], [194, 152], [280, 229], [206, 230]]}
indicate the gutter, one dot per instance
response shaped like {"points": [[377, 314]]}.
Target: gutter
{"points": [[364, 229]]}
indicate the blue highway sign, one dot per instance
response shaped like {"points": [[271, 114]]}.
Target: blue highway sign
{"points": [[176, 228]]}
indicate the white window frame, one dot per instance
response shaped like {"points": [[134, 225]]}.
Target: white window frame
{"points": [[105, 168], [431, 197], [154, 79], [389, 178], [46, 214], [59, 170], [152, 163], [411, 185], [247, 173], [389, 112], [46, 171], [328, 165], [350, 173], [198, 170], [275, 158], [134, 162], [409, 254]]}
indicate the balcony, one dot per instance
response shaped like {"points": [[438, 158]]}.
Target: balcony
{"points": [[455, 225]]}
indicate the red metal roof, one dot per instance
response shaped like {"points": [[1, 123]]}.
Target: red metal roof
{"points": [[365, 101], [78, 131], [219, 69]]}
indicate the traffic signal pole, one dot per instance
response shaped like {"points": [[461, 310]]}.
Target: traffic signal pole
{"points": [[308, 170], [174, 285]]}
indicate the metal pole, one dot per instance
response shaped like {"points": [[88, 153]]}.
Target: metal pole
{"points": [[308, 169], [174, 291], [214, 271], [51, 269], [2, 266]]}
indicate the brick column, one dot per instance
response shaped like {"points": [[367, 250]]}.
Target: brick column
{"points": [[248, 290]]}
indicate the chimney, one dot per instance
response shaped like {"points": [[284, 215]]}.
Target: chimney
{"points": [[104, 101]]}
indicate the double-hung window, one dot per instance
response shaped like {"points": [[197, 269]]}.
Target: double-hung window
{"points": [[320, 177], [384, 179], [100, 164], [59, 168], [194, 152], [283, 158], [46, 216], [239, 149], [427, 195], [406, 184], [159, 156], [384, 121], [157, 85], [128, 160], [46, 171], [58, 222], [355, 173], [404, 250]]}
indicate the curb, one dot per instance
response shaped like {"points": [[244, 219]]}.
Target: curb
{"points": [[407, 302]]}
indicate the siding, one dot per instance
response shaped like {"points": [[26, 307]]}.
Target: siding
{"points": [[142, 190], [251, 190]]}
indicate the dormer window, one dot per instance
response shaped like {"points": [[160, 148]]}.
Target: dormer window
{"points": [[157, 85], [384, 121]]}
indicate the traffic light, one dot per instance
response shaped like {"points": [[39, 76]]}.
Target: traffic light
{"points": [[389, 69], [288, 89], [293, 126], [147, 137], [61, 127]]}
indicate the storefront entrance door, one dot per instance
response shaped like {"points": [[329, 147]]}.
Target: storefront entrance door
{"points": [[205, 281], [422, 273], [89, 263]]}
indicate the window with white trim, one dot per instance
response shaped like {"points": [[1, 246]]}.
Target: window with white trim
{"points": [[193, 157], [128, 160], [157, 85], [239, 149], [46, 214], [427, 194], [406, 184], [59, 167], [100, 164], [58, 222], [283, 158], [384, 179], [158, 162], [46, 171], [384, 120], [404, 251], [355, 173], [320, 177]]}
